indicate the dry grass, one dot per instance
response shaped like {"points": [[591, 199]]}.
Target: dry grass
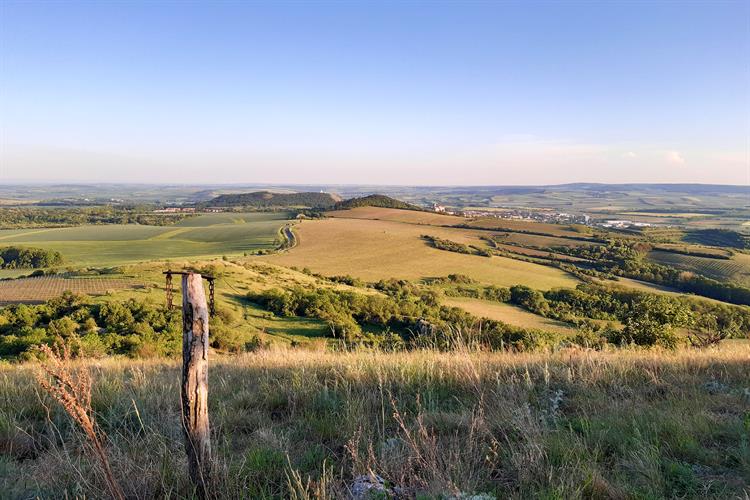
{"points": [[536, 240], [71, 387], [292, 424], [374, 250], [507, 313]]}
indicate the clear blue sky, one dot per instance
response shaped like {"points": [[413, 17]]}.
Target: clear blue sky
{"points": [[375, 92]]}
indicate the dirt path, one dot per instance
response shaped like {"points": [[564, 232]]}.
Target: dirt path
{"points": [[291, 239]]}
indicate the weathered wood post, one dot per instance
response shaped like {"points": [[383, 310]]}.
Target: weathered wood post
{"points": [[194, 391]]}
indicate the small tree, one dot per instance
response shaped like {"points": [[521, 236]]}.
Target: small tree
{"points": [[62, 327], [708, 332]]}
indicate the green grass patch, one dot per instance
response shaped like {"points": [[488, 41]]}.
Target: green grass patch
{"points": [[111, 245]]}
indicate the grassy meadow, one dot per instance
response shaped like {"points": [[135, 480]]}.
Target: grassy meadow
{"points": [[508, 313], [303, 424], [196, 237]]}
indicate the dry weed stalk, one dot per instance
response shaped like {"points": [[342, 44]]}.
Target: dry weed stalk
{"points": [[72, 389]]}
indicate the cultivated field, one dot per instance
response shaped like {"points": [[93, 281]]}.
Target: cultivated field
{"points": [[736, 269], [112, 245], [43, 288], [435, 219], [14, 273], [507, 313], [376, 249], [678, 215], [535, 240], [295, 424], [521, 225], [395, 215]]}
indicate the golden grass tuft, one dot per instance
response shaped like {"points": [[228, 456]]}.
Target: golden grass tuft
{"points": [[71, 388]]}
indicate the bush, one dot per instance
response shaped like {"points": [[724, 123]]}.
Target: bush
{"points": [[28, 258], [227, 339], [532, 300], [256, 344], [131, 327]]}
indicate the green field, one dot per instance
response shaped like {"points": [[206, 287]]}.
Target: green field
{"points": [[736, 269], [110, 245]]}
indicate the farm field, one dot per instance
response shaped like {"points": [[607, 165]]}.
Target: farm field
{"points": [[396, 215], [530, 252], [677, 248], [521, 225], [535, 240], [43, 288], [678, 215], [14, 273], [736, 269], [435, 219], [643, 286], [507, 313], [112, 245], [721, 222], [375, 249]]}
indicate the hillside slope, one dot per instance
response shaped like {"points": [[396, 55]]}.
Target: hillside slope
{"points": [[374, 249], [374, 200], [267, 199]]}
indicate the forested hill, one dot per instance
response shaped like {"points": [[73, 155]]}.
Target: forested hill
{"points": [[267, 199], [374, 200]]}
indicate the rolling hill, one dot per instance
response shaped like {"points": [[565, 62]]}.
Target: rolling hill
{"points": [[267, 199], [379, 249], [375, 200]]}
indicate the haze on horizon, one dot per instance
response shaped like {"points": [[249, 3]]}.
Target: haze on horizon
{"points": [[418, 93]]}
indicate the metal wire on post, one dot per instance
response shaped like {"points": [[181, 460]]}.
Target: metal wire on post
{"points": [[211, 307], [169, 290]]}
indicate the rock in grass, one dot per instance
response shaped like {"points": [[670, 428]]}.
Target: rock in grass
{"points": [[369, 486]]}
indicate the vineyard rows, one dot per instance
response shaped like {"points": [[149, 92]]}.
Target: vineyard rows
{"points": [[43, 288]]}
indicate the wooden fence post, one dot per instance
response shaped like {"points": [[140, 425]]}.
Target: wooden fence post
{"points": [[194, 392]]}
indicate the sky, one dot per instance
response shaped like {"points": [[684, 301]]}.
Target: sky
{"points": [[382, 92]]}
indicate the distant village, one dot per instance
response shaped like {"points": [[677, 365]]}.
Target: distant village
{"points": [[519, 214], [547, 216], [188, 210]]}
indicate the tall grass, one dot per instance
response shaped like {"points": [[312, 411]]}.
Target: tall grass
{"points": [[574, 424], [71, 388]]}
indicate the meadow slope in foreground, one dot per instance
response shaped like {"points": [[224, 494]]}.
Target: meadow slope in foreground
{"points": [[297, 424]]}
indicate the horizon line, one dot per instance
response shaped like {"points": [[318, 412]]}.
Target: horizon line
{"points": [[353, 184]]}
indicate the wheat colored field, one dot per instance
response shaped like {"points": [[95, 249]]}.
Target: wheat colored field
{"points": [[507, 313], [395, 215], [376, 249]]}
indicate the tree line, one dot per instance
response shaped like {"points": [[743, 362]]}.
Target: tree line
{"points": [[131, 327], [28, 258], [63, 217], [646, 318]]}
